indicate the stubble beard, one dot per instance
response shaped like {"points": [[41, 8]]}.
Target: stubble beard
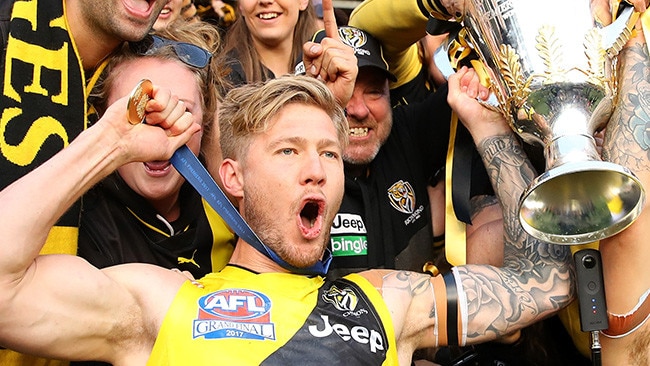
{"points": [[351, 154], [265, 224]]}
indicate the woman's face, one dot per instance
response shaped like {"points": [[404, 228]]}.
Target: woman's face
{"points": [[158, 180], [169, 13], [272, 22]]}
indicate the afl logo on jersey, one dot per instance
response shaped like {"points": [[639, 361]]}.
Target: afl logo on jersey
{"points": [[235, 304], [234, 313]]}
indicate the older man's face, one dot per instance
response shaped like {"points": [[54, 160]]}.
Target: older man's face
{"points": [[369, 116]]}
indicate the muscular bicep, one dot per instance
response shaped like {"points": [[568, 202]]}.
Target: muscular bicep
{"points": [[65, 308]]}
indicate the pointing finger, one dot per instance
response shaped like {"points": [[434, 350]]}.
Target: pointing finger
{"points": [[331, 29]]}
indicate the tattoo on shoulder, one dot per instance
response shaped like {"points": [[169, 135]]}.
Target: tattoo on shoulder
{"points": [[414, 283]]}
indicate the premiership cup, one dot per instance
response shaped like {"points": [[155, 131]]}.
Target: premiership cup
{"points": [[551, 72]]}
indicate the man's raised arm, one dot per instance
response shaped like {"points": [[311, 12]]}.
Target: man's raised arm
{"points": [[627, 254], [479, 303], [536, 279], [49, 302]]}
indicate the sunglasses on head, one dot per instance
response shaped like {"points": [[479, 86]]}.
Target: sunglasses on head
{"points": [[190, 54]]}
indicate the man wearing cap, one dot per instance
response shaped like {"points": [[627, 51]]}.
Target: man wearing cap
{"points": [[384, 220]]}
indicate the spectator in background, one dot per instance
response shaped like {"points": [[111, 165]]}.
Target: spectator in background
{"points": [[189, 11], [384, 220], [266, 39], [217, 12], [146, 212], [175, 10]]}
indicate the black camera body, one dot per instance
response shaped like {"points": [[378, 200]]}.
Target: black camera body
{"points": [[591, 290]]}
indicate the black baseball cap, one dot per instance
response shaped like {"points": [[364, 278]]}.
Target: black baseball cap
{"points": [[367, 49]]}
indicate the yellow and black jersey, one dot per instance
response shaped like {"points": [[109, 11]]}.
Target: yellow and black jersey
{"points": [[119, 226], [245, 318]]}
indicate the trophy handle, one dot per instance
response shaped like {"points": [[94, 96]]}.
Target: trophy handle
{"points": [[615, 35], [442, 59]]}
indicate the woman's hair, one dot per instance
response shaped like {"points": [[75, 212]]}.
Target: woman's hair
{"points": [[239, 39], [209, 79], [247, 110]]}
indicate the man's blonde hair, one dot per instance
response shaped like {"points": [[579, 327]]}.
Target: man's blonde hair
{"points": [[247, 110]]}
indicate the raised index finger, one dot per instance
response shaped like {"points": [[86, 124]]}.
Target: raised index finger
{"points": [[329, 20]]}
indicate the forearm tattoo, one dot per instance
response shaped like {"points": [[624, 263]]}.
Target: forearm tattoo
{"points": [[627, 140], [537, 277]]}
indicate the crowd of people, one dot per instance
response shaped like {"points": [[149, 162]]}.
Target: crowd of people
{"points": [[331, 133]]}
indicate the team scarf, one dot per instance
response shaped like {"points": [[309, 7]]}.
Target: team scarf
{"points": [[43, 101]]}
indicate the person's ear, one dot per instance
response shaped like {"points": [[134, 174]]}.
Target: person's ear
{"points": [[232, 178], [304, 4]]}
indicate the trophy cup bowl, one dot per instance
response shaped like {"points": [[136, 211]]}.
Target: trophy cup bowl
{"points": [[551, 71]]}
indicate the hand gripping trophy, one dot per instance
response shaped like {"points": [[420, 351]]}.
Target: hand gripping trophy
{"points": [[551, 73]]}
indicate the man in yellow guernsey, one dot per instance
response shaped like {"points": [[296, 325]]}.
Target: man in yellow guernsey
{"points": [[282, 143]]}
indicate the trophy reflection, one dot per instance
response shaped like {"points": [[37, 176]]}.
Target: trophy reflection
{"points": [[552, 75]]}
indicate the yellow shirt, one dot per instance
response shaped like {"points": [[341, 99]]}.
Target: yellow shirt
{"points": [[243, 318]]}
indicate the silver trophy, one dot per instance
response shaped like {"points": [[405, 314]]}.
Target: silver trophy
{"points": [[551, 73]]}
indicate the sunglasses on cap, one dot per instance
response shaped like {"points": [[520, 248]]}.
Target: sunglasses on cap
{"points": [[190, 54]]}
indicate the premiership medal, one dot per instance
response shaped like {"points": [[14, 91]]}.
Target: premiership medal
{"points": [[138, 99]]}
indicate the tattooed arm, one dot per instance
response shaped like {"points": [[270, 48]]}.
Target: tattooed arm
{"points": [[536, 278], [626, 255]]}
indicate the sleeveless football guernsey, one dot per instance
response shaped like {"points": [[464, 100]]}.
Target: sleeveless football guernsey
{"points": [[243, 318]]}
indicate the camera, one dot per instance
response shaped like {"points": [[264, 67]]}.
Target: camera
{"points": [[591, 290]]}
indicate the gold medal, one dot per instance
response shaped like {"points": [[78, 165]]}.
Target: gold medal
{"points": [[138, 99]]}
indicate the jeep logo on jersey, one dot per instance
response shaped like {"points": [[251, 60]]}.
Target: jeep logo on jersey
{"points": [[356, 333], [234, 313], [344, 300], [402, 197]]}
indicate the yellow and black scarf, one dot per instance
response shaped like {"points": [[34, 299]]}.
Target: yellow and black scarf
{"points": [[43, 100]]}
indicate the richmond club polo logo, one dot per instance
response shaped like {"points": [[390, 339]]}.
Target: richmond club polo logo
{"points": [[234, 313], [342, 299], [402, 197]]}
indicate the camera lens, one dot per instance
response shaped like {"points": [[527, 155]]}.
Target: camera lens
{"points": [[589, 262]]}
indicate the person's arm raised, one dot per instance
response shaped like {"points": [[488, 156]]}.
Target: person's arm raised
{"points": [[331, 60], [626, 255], [536, 279], [51, 305]]}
